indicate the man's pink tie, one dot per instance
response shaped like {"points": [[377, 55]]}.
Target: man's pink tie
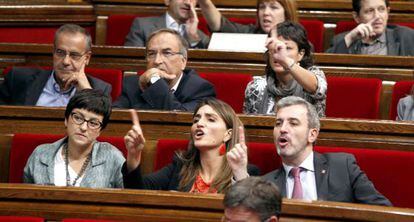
{"points": [[297, 186]]}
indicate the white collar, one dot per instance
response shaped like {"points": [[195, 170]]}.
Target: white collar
{"points": [[171, 23], [306, 164], [174, 88]]}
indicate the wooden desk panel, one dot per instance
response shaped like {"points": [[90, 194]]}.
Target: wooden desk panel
{"points": [[56, 203], [379, 134]]}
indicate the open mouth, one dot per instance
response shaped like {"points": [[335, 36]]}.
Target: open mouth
{"points": [[283, 141], [198, 134], [267, 22]]}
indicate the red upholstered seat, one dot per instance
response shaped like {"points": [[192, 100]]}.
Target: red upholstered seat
{"points": [[117, 28], [20, 219], [233, 93], [23, 145], [111, 76], [343, 26], [389, 170], [350, 97], [314, 29], [400, 90], [30, 34]]}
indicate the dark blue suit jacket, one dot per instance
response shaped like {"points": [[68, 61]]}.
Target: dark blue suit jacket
{"points": [[338, 178], [191, 90], [23, 86]]}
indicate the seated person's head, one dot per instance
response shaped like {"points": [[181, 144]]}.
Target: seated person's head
{"points": [[298, 47], [296, 128], [166, 50], [272, 12], [214, 129], [374, 11], [86, 115], [71, 52], [252, 199], [180, 10]]}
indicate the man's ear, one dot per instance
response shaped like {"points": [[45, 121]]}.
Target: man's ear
{"points": [[356, 17], [167, 2], [273, 219], [313, 135], [66, 122], [184, 64]]}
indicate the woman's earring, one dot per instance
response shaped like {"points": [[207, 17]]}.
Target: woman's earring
{"points": [[222, 149]]}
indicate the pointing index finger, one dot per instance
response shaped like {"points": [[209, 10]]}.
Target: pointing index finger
{"points": [[134, 117], [242, 139], [373, 20]]}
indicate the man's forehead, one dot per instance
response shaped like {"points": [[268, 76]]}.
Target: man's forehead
{"points": [[164, 41], [292, 112], [371, 3]]}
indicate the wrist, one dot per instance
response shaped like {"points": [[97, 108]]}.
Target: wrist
{"points": [[289, 65]]}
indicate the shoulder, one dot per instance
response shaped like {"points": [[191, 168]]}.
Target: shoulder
{"points": [[336, 158], [192, 76], [401, 29], [406, 101], [47, 149], [147, 20], [27, 72], [110, 151], [258, 83]]}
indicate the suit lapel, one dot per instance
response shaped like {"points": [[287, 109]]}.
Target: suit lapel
{"points": [[161, 22], [392, 45], [321, 176], [280, 181], [36, 88]]}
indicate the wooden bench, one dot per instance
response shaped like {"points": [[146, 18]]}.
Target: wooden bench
{"points": [[57, 203]]}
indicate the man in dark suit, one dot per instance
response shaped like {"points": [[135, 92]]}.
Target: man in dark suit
{"points": [[307, 174], [373, 35], [32, 86], [166, 84], [180, 16]]}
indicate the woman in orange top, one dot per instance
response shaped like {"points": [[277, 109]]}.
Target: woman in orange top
{"points": [[207, 166]]}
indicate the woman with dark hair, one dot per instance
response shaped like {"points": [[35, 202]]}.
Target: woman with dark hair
{"points": [[269, 13], [405, 107], [78, 159], [289, 72], [210, 161]]}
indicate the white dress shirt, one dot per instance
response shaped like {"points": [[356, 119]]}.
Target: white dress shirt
{"points": [[172, 24], [307, 179]]}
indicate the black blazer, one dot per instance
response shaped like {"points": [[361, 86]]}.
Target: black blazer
{"points": [[23, 86], [191, 90], [338, 178], [167, 178]]}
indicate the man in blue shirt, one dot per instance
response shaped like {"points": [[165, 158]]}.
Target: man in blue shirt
{"points": [[33, 86]]}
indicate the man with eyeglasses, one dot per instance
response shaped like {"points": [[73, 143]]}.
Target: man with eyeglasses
{"points": [[180, 16], [79, 159], [166, 84], [34, 86]]}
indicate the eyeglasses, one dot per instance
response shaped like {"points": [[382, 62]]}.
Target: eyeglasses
{"points": [[151, 54], [78, 119], [75, 56]]}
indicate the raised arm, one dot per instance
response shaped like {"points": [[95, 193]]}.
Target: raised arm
{"points": [[211, 14], [278, 51], [134, 142]]}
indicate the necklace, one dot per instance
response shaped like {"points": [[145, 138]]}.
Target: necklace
{"points": [[85, 164]]}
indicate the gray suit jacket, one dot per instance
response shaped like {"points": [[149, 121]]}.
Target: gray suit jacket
{"points": [[338, 178], [23, 86], [405, 108], [400, 42], [142, 28], [104, 170]]}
